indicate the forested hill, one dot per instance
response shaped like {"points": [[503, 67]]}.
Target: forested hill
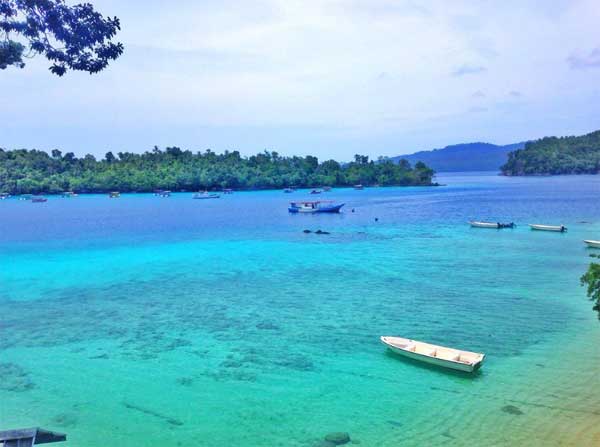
{"points": [[464, 157], [552, 155], [33, 171]]}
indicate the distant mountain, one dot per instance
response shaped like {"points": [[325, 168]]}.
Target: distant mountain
{"points": [[553, 155], [464, 157]]}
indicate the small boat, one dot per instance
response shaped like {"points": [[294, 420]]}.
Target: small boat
{"points": [[326, 188], [114, 195], [68, 194], [435, 355], [25, 197], [558, 228], [162, 193], [205, 195], [288, 190], [4, 195], [38, 199], [315, 207], [227, 191], [315, 191], [496, 225], [592, 244], [359, 187]]}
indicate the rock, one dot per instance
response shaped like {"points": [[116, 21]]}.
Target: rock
{"points": [[338, 438], [511, 409], [307, 231], [324, 444]]}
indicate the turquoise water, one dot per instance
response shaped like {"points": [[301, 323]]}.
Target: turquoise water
{"points": [[156, 321]]}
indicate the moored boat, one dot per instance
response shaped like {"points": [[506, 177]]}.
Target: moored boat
{"points": [[495, 225], [289, 190], [591, 243], [557, 228], [227, 191], [38, 199], [114, 194], [315, 207], [326, 188], [4, 195], [205, 195], [359, 187], [316, 191], [435, 355]]}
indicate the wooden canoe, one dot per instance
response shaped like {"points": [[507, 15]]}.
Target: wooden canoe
{"points": [[594, 244], [435, 355], [558, 228]]}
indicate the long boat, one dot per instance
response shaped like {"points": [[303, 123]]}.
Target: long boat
{"points": [[435, 355], [205, 195], [315, 207], [593, 244], [558, 228], [38, 199], [495, 225]]}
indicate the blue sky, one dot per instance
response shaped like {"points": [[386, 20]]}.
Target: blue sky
{"points": [[330, 78]]}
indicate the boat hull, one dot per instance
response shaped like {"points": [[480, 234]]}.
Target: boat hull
{"points": [[592, 244], [555, 228], [436, 361], [324, 209]]}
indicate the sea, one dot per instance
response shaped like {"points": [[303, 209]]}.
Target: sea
{"points": [[144, 321]]}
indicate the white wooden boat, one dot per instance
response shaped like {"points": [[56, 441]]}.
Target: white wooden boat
{"points": [[558, 228], [495, 225], [593, 244], [435, 355]]}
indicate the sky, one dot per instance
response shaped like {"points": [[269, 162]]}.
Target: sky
{"points": [[325, 77]]}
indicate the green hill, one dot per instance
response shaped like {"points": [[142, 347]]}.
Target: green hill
{"points": [[464, 157], [553, 155]]}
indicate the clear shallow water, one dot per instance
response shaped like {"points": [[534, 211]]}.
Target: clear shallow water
{"points": [[155, 320]]}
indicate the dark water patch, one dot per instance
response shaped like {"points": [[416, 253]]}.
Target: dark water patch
{"points": [[394, 423], [296, 362], [99, 357], [66, 420], [267, 326], [337, 438], [511, 409], [14, 378], [448, 435], [185, 381], [150, 412]]}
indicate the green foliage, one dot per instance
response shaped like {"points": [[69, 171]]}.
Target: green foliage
{"points": [[591, 279], [71, 37], [552, 155], [32, 171]]}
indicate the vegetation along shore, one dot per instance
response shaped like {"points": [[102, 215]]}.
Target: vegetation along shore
{"points": [[33, 171]]}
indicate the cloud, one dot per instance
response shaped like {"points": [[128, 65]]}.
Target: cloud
{"points": [[584, 61], [468, 69], [478, 94], [515, 94]]}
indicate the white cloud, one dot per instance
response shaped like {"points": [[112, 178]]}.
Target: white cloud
{"points": [[331, 74]]}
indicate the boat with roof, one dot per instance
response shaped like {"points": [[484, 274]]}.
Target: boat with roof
{"points": [[556, 228], [495, 225], [321, 206], [435, 355]]}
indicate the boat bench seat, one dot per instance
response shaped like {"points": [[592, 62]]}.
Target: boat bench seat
{"points": [[425, 351]]}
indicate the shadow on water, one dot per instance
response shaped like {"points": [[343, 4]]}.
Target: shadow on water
{"points": [[440, 370]]}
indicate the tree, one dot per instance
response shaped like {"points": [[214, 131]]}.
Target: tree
{"points": [[591, 279], [71, 37]]}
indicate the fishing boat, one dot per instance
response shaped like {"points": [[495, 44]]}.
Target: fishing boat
{"points": [[162, 193], [593, 244], [435, 355], [558, 228], [38, 199], [495, 225], [316, 191], [114, 194], [326, 188], [288, 190], [68, 194], [359, 187], [4, 195], [205, 195], [315, 207], [227, 191]]}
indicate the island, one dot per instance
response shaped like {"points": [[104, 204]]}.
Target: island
{"points": [[25, 171], [556, 155]]}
